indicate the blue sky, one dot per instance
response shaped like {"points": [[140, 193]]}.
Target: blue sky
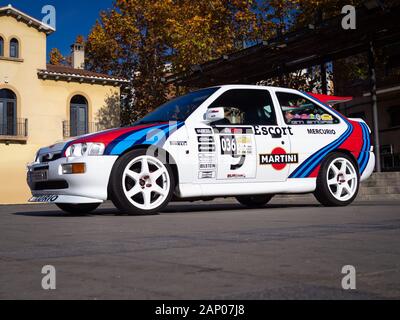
{"points": [[73, 17]]}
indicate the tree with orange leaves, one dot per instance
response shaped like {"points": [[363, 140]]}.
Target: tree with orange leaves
{"points": [[56, 58], [137, 38]]}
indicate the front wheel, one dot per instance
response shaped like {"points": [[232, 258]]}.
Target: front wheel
{"points": [[78, 208], [338, 181], [254, 201], [141, 184]]}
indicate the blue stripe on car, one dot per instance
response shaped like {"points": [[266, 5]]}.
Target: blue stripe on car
{"points": [[364, 159], [314, 160], [149, 136], [362, 152], [124, 137]]}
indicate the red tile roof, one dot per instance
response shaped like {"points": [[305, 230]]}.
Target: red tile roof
{"points": [[70, 74]]}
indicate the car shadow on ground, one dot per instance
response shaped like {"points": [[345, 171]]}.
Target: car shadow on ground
{"points": [[171, 209]]}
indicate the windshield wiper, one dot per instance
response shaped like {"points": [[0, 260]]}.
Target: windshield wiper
{"points": [[150, 121], [157, 121]]}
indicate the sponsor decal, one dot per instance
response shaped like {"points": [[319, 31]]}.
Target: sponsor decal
{"points": [[207, 162], [278, 158], [298, 122], [205, 139], [236, 146], [244, 145], [275, 132], [326, 117], [178, 143], [228, 145], [44, 198], [236, 176], [321, 131], [206, 158], [206, 147], [206, 174], [207, 166], [233, 130], [203, 131]]}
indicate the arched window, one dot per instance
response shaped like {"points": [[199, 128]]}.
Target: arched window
{"points": [[14, 48], [1, 47], [78, 116], [8, 113]]}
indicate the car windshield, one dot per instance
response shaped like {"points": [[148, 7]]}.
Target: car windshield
{"points": [[178, 109]]}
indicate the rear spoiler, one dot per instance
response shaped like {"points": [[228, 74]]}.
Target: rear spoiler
{"points": [[331, 100]]}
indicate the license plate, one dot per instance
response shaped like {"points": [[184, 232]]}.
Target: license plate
{"points": [[38, 176], [44, 198]]}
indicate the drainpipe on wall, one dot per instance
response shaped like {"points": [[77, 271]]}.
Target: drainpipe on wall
{"points": [[374, 101]]}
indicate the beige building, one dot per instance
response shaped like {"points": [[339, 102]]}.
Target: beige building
{"points": [[40, 103]]}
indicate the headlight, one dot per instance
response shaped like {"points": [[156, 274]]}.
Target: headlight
{"points": [[96, 149], [85, 149]]}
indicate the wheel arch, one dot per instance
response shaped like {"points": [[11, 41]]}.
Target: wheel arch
{"points": [[350, 154]]}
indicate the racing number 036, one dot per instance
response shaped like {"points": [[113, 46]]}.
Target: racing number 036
{"points": [[228, 145]]}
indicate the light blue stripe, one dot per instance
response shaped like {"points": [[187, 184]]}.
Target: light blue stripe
{"points": [[132, 139]]}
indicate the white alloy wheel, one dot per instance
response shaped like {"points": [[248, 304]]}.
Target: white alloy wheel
{"points": [[146, 182], [342, 179]]}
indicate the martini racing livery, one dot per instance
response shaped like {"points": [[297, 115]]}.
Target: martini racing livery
{"points": [[249, 142]]}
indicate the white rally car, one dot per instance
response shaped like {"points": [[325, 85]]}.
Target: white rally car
{"points": [[249, 142]]}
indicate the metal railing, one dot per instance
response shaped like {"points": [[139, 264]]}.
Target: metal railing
{"points": [[72, 130], [16, 129], [390, 162]]}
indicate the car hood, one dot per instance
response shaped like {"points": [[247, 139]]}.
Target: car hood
{"points": [[118, 140]]}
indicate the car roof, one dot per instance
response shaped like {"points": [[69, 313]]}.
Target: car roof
{"points": [[251, 86]]}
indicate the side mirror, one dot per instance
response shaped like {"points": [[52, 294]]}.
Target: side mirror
{"points": [[215, 114]]}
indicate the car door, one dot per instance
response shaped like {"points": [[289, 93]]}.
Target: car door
{"points": [[243, 136]]}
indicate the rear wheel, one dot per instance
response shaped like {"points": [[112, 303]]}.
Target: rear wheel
{"points": [[338, 181], [141, 184], [78, 208], [254, 201]]}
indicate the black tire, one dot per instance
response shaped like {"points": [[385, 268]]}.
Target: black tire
{"points": [[78, 208], [116, 188], [255, 201], [323, 193]]}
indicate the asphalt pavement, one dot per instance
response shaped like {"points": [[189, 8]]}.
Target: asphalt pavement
{"points": [[291, 249]]}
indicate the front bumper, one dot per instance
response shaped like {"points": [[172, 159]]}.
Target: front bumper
{"points": [[56, 187]]}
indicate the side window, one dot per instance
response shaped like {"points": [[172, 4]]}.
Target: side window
{"points": [[14, 48], [1, 47], [299, 110], [246, 106]]}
